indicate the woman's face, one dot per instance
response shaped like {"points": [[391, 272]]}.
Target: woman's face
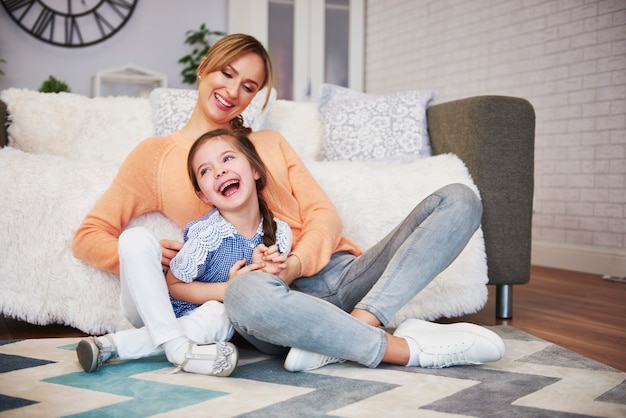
{"points": [[224, 94], [225, 176]]}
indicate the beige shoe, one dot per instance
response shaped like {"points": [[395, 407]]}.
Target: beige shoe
{"points": [[215, 359]]}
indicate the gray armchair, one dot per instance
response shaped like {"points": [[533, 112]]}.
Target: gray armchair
{"points": [[495, 137]]}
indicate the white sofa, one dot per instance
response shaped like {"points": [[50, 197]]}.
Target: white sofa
{"points": [[64, 149]]}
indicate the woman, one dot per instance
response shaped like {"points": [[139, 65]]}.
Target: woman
{"points": [[327, 268]]}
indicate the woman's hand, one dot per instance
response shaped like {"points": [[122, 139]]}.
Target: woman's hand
{"points": [[274, 262], [169, 249], [266, 259]]}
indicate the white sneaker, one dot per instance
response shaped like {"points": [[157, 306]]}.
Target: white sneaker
{"points": [[215, 359], [300, 360], [445, 345]]}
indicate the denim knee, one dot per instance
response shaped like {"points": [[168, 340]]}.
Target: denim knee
{"points": [[467, 199], [249, 294]]}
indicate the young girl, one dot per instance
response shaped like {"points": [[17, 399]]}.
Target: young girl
{"points": [[228, 174], [239, 234]]}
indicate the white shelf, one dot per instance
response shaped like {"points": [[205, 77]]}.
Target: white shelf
{"points": [[127, 81]]}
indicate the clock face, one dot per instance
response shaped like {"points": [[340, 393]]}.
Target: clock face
{"points": [[70, 23]]}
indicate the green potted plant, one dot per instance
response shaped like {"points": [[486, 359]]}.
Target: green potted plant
{"points": [[54, 85], [200, 40]]}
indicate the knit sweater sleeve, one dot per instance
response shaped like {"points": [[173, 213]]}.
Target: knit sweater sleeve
{"points": [[132, 193]]}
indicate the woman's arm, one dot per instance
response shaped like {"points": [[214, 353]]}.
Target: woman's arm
{"points": [[131, 194]]}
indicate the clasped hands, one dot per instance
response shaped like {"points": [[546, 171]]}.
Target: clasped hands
{"points": [[264, 258]]}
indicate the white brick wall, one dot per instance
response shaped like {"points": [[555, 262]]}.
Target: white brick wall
{"points": [[567, 57]]}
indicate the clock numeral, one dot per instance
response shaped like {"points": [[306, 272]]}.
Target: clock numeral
{"points": [[44, 21], [71, 28], [122, 3], [101, 21], [13, 5]]}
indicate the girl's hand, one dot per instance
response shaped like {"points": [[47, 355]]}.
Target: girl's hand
{"points": [[169, 249], [240, 267]]}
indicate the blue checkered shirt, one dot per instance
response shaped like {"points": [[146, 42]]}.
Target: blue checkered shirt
{"points": [[211, 246]]}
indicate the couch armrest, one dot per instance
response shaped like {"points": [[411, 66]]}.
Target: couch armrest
{"points": [[495, 137], [4, 136]]}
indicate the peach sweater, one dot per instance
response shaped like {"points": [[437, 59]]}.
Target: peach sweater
{"points": [[154, 178]]}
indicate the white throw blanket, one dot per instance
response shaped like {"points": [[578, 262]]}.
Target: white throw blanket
{"points": [[45, 197]]}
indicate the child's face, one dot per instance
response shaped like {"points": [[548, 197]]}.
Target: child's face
{"points": [[225, 176]]}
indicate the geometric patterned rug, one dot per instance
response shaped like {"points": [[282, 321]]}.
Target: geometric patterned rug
{"points": [[42, 378]]}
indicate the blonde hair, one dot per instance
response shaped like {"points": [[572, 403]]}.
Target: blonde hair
{"points": [[231, 47]]}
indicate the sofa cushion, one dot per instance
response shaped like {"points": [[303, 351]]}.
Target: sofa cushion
{"points": [[171, 109], [105, 129], [361, 126]]}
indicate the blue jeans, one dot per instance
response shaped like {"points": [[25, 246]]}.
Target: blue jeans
{"points": [[314, 314]]}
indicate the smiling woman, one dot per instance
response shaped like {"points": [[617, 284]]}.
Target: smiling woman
{"points": [[73, 23]]}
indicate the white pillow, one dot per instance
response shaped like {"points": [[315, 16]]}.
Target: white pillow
{"points": [[75, 126], [364, 127], [300, 124], [171, 109]]}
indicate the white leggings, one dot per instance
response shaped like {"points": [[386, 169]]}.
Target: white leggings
{"points": [[145, 303]]}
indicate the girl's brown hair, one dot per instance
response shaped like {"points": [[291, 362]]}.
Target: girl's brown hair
{"points": [[240, 140], [227, 50]]}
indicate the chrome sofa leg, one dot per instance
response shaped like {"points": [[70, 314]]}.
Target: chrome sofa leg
{"points": [[504, 301]]}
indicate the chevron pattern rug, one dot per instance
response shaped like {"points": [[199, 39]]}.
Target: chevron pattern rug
{"points": [[42, 378]]}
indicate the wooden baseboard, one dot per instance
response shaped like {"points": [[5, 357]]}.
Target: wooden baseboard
{"points": [[595, 260]]}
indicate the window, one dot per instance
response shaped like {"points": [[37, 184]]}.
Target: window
{"points": [[310, 41]]}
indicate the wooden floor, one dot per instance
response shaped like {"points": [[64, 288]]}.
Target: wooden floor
{"points": [[581, 312]]}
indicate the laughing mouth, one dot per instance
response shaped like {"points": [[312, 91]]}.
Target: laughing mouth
{"points": [[229, 187]]}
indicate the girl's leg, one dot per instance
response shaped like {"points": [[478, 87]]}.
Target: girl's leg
{"points": [[206, 324], [134, 343], [145, 300], [145, 297]]}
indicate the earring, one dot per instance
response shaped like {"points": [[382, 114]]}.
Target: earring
{"points": [[199, 77]]}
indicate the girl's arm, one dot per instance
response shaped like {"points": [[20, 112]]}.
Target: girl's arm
{"points": [[195, 292], [201, 292]]}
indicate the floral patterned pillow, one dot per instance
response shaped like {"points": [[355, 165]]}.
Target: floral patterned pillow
{"points": [[361, 127], [171, 109]]}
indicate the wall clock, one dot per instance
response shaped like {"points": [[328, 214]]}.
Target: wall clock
{"points": [[70, 23]]}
